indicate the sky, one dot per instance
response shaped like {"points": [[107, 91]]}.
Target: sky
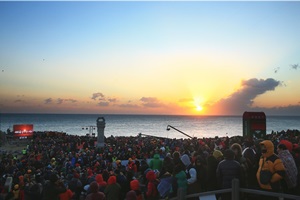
{"points": [[165, 58]]}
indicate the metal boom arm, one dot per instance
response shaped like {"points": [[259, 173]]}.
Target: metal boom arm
{"points": [[169, 126]]}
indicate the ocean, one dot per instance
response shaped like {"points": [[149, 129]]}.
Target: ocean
{"points": [[132, 125]]}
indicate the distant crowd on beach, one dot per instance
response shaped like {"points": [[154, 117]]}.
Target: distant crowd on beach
{"points": [[69, 167]]}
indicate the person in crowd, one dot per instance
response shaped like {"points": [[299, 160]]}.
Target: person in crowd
{"points": [[53, 188], [21, 186], [271, 170], [237, 149], [168, 165], [67, 195], [95, 194], [193, 185], [289, 182], [33, 190], [177, 160], [16, 192], [105, 174], [296, 156], [181, 182], [132, 166], [75, 185], [165, 184], [151, 193], [201, 169], [79, 153], [156, 163], [143, 168], [113, 189], [227, 170], [212, 164], [101, 183], [252, 159], [135, 186], [123, 182], [131, 195]]}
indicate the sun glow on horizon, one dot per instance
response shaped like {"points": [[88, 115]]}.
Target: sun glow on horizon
{"points": [[199, 108], [198, 102]]}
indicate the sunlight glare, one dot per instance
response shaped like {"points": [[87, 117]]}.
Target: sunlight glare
{"points": [[198, 102], [199, 108]]}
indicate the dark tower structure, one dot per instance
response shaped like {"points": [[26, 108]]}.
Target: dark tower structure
{"points": [[100, 131], [254, 124]]}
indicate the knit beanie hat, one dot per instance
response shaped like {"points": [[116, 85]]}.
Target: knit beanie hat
{"points": [[217, 154]]}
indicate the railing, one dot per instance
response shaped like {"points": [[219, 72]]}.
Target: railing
{"points": [[235, 193]]}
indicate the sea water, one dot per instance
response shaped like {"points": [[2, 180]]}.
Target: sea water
{"points": [[132, 125]]}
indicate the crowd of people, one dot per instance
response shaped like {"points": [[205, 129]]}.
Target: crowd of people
{"points": [[70, 167]]}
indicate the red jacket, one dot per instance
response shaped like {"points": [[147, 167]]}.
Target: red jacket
{"points": [[151, 187]]}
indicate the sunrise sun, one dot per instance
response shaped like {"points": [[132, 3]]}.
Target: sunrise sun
{"points": [[198, 102], [199, 108]]}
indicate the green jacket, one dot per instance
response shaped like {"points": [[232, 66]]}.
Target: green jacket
{"points": [[156, 163], [112, 192], [181, 179]]}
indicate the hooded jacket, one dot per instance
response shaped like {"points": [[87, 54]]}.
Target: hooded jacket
{"points": [[135, 186], [156, 163], [243, 162], [186, 160], [113, 189], [291, 168], [151, 187], [190, 170], [131, 195], [95, 194], [271, 162], [100, 181], [191, 173]]}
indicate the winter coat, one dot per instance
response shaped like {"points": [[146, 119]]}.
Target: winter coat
{"points": [[152, 192], [113, 189], [212, 164], [228, 170], [181, 180], [290, 167], [95, 194], [243, 162], [51, 191], [270, 162], [202, 176], [102, 184], [131, 195], [33, 191], [193, 185], [156, 163], [66, 195], [135, 186], [75, 185], [168, 166]]}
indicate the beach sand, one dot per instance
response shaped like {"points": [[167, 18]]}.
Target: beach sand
{"points": [[13, 147]]}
